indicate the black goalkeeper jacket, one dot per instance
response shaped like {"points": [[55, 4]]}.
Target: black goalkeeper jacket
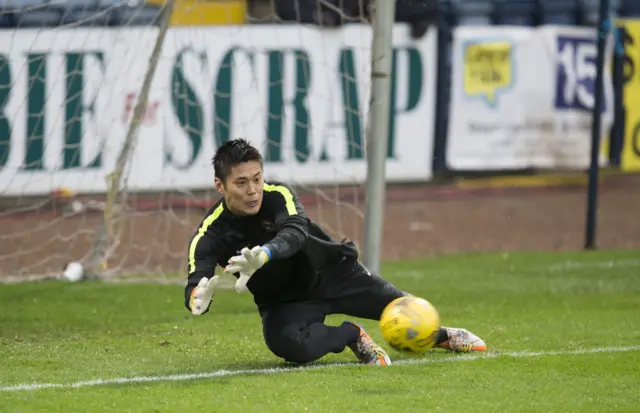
{"points": [[300, 250]]}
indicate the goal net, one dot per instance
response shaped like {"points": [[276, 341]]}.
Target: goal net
{"points": [[105, 146]]}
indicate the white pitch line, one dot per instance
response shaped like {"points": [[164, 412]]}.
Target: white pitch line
{"points": [[280, 370], [572, 265]]}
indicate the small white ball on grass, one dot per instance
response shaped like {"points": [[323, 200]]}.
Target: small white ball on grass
{"points": [[73, 272]]}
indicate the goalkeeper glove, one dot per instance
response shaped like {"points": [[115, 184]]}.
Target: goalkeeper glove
{"points": [[248, 262], [201, 296]]}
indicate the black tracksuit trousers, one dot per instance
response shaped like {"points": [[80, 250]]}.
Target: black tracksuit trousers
{"points": [[295, 331]]}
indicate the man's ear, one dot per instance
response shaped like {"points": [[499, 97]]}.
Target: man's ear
{"points": [[219, 185]]}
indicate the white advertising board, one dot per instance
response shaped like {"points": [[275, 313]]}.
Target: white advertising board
{"points": [[523, 98], [300, 94]]}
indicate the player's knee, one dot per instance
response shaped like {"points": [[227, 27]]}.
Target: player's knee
{"points": [[291, 344]]}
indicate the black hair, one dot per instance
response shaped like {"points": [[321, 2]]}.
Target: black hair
{"points": [[232, 153]]}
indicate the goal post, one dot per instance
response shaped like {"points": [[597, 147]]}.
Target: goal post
{"points": [[381, 58], [108, 125]]}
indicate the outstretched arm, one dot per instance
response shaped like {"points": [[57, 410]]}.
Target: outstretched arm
{"points": [[293, 232], [203, 257], [291, 222]]}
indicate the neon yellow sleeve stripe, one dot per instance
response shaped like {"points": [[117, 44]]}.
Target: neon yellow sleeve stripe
{"points": [[286, 193], [201, 231]]}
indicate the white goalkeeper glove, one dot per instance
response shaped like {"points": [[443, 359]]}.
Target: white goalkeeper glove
{"points": [[202, 295], [248, 262]]}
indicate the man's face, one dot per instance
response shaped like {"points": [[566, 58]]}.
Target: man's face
{"points": [[242, 189]]}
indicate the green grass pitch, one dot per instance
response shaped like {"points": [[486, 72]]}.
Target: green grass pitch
{"points": [[563, 332]]}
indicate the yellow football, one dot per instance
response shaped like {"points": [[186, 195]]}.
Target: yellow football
{"points": [[410, 324]]}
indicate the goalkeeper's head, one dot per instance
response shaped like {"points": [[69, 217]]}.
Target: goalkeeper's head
{"points": [[238, 176]]}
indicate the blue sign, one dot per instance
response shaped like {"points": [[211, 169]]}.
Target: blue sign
{"points": [[576, 73]]}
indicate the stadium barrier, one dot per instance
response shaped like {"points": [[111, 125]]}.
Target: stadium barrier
{"points": [[520, 98], [303, 89]]}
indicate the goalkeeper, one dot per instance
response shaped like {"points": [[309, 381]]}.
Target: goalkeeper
{"points": [[297, 274]]}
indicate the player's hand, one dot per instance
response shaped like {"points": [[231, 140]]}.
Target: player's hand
{"points": [[202, 295], [248, 262], [241, 284]]}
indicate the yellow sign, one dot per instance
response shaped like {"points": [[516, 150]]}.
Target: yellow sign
{"points": [[488, 69], [631, 150], [206, 12]]}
